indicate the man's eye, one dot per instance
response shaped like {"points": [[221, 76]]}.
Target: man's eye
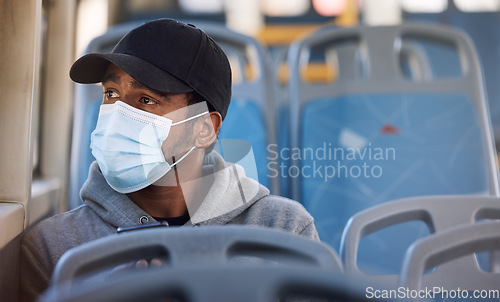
{"points": [[109, 94], [148, 101]]}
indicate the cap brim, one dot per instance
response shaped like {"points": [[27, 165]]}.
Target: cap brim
{"points": [[91, 68]]}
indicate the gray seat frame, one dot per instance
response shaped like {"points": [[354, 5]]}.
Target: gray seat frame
{"points": [[443, 247], [224, 284], [440, 213], [194, 246]]}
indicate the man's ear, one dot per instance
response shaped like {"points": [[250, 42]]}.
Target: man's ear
{"points": [[206, 129]]}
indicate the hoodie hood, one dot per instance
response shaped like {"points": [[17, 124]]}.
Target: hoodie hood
{"points": [[230, 194]]}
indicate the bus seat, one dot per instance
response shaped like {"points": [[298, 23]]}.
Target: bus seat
{"points": [[381, 135], [451, 253], [223, 284], [250, 114], [191, 247], [245, 120], [414, 65], [397, 219], [12, 224], [486, 42]]}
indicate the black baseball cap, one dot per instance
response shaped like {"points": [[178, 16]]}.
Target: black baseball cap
{"points": [[168, 56]]}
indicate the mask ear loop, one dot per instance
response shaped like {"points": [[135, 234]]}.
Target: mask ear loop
{"points": [[187, 153], [191, 118], [176, 162], [175, 171]]}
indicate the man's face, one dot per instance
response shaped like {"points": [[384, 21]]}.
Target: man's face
{"points": [[118, 85]]}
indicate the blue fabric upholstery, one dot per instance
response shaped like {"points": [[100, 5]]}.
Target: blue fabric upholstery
{"points": [[283, 142], [384, 147], [245, 120], [88, 125]]}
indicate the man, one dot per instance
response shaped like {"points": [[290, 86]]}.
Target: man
{"points": [[167, 88]]}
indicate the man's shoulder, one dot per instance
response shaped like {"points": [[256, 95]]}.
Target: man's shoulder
{"points": [[65, 230], [278, 212], [280, 204], [61, 222]]}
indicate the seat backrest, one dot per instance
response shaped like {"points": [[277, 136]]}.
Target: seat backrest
{"points": [[452, 252], [438, 213], [249, 117], [414, 65], [195, 246], [224, 284], [376, 135], [487, 43]]}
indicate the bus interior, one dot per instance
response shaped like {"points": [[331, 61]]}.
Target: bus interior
{"points": [[380, 117]]}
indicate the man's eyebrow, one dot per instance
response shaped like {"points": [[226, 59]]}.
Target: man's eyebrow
{"points": [[111, 77]]}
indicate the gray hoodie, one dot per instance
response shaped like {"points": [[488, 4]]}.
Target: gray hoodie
{"points": [[233, 198]]}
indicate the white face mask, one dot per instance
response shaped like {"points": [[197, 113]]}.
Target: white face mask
{"points": [[127, 146]]}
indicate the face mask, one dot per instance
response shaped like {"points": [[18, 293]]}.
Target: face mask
{"points": [[127, 146]]}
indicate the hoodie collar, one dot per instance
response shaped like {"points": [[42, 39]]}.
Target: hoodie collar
{"points": [[231, 193]]}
